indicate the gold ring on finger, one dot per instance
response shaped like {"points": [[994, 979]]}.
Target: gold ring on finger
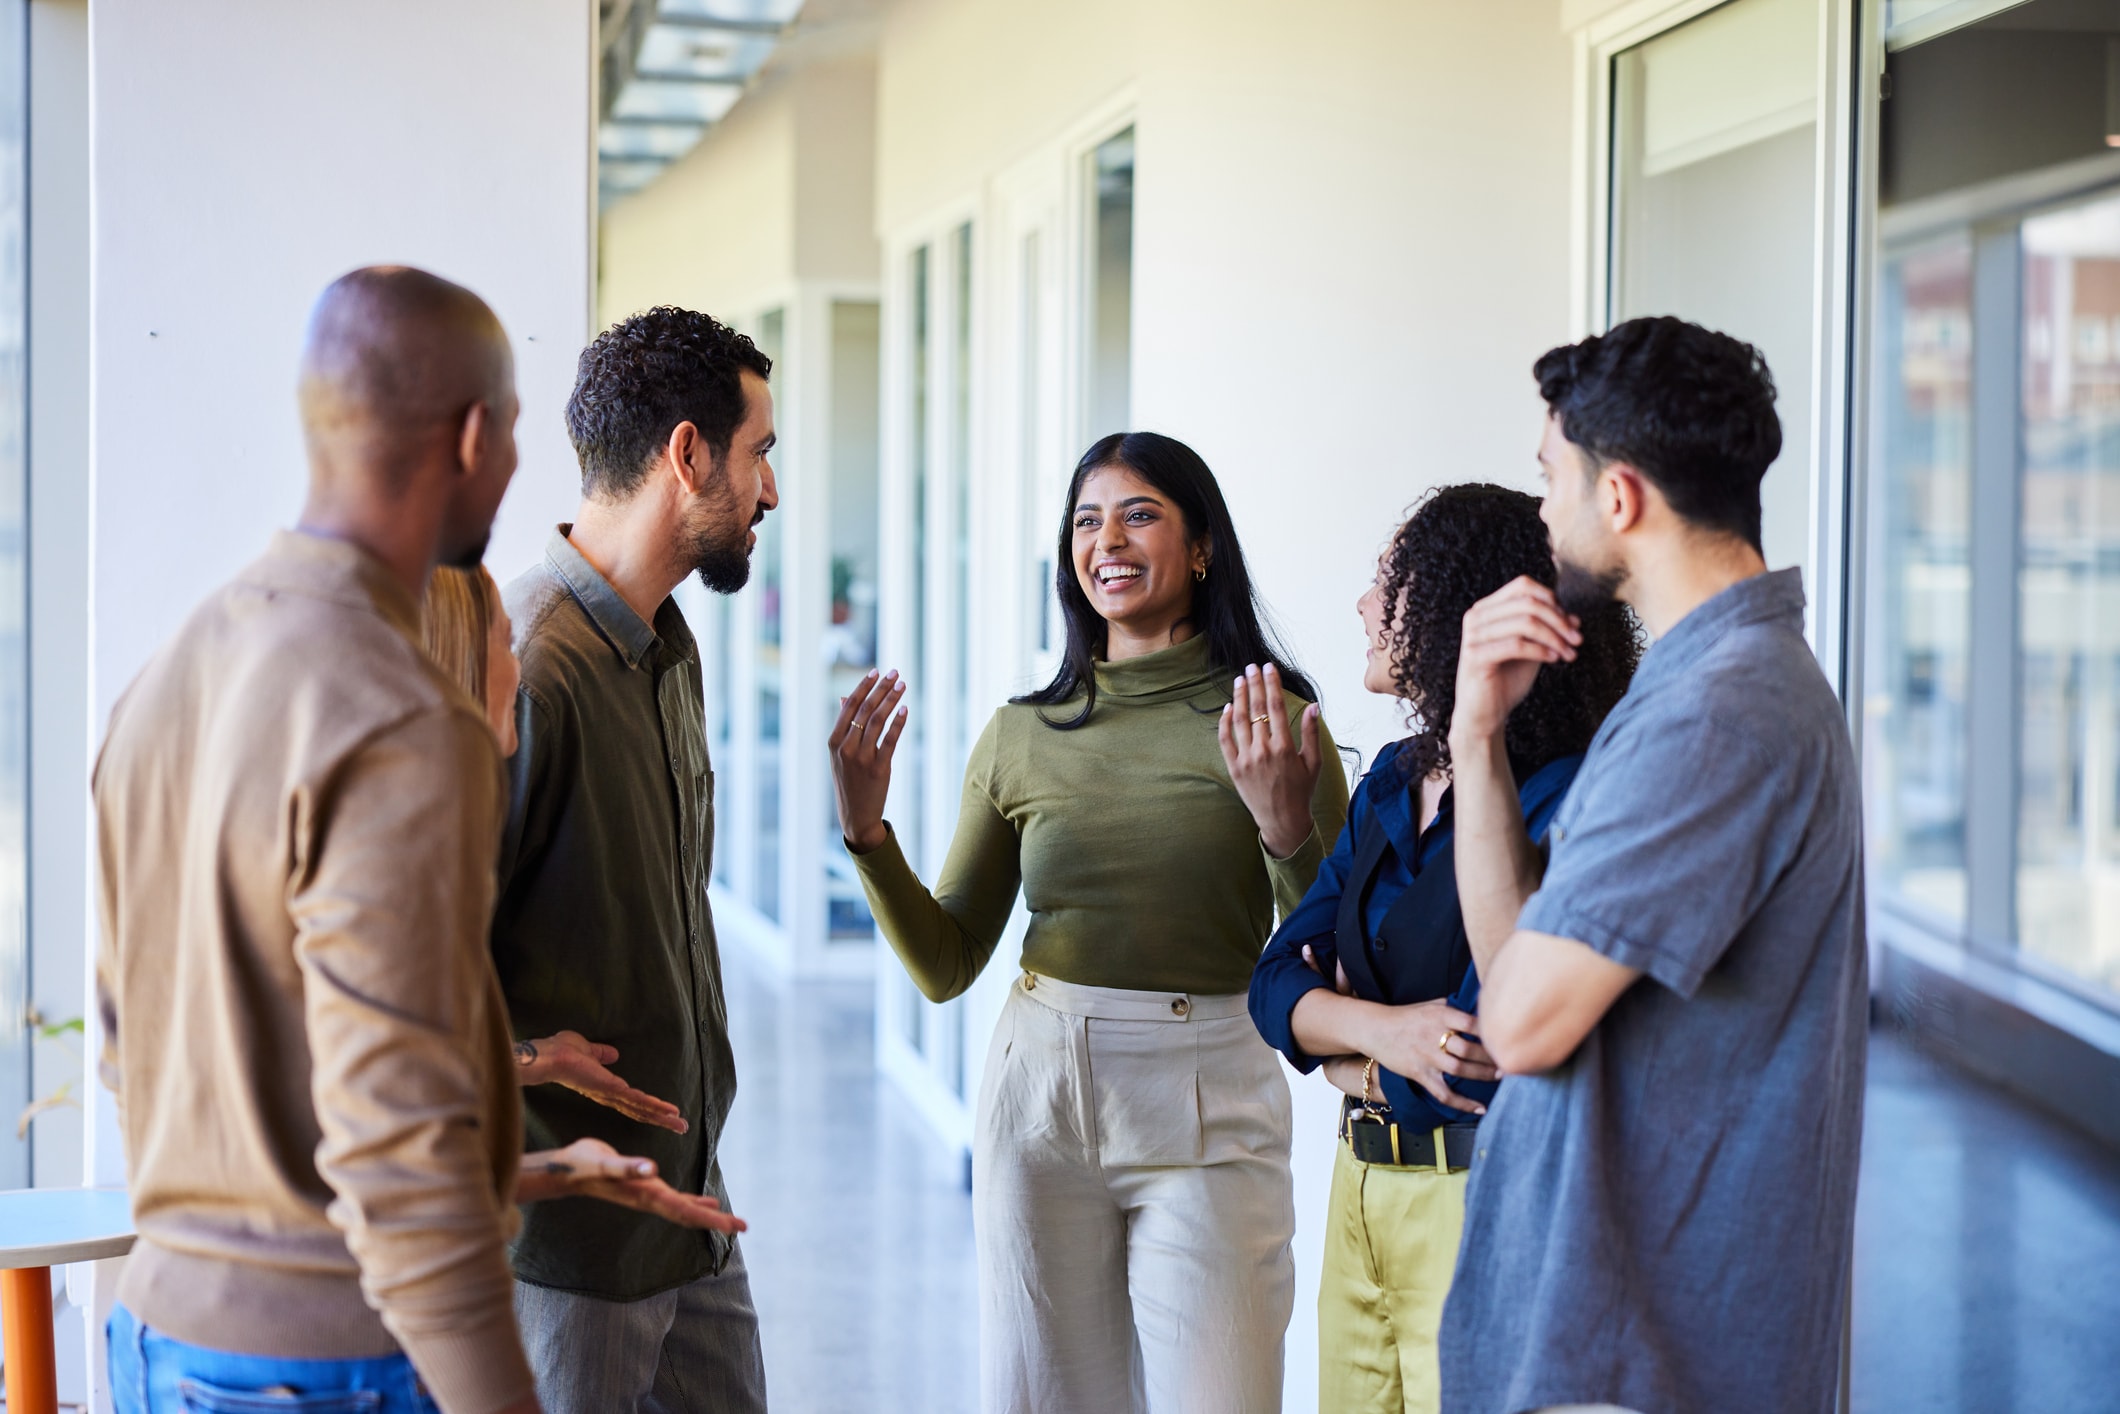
{"points": [[1262, 717], [1444, 1044]]}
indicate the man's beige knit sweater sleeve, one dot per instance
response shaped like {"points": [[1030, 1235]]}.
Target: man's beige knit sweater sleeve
{"points": [[388, 1010]]}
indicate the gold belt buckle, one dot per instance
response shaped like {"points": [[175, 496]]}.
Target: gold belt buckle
{"points": [[1353, 1115]]}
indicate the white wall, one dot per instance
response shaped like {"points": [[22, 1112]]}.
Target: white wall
{"points": [[244, 153]]}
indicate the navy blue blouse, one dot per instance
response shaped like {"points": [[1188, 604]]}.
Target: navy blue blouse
{"points": [[1280, 978]]}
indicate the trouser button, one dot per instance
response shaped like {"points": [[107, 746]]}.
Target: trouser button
{"points": [[1180, 1007]]}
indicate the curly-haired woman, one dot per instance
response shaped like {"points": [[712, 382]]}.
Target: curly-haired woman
{"points": [[1130, 1177], [1371, 975]]}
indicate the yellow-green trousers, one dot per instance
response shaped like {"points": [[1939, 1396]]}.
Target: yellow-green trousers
{"points": [[1391, 1243]]}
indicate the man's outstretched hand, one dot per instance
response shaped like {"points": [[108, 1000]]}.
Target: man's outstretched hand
{"points": [[590, 1168], [582, 1065]]}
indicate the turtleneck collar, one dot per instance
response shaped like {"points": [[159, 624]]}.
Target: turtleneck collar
{"points": [[1178, 671]]}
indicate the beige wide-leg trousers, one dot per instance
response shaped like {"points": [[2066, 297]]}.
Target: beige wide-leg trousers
{"points": [[1133, 1204]]}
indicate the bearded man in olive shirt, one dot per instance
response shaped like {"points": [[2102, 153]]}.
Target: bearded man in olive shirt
{"points": [[603, 923]]}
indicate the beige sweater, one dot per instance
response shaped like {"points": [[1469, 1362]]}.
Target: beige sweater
{"points": [[298, 821]]}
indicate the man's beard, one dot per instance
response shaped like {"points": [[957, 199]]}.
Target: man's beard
{"points": [[472, 555], [1584, 591], [720, 554], [723, 563]]}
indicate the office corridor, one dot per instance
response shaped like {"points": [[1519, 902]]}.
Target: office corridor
{"points": [[1987, 1245], [860, 1245]]}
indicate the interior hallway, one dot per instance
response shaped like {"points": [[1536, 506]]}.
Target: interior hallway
{"points": [[860, 1246], [1987, 1243]]}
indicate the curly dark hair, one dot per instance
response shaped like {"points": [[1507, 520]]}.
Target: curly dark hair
{"points": [[641, 377], [1458, 545]]}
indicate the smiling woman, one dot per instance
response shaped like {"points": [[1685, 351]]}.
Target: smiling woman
{"points": [[1149, 558], [1130, 1171]]}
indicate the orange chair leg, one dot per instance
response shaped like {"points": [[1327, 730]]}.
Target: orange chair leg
{"points": [[26, 1311]]}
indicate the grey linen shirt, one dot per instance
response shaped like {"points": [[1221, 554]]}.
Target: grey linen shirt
{"points": [[1663, 1222], [603, 925]]}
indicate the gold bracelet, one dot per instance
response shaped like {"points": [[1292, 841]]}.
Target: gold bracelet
{"points": [[1369, 1069]]}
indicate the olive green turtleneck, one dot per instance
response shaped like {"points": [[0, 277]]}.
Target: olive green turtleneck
{"points": [[1140, 865]]}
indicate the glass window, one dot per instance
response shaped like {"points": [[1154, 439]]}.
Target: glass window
{"points": [[1111, 323], [2068, 829], [1921, 579], [850, 636], [14, 590], [1908, 22], [1029, 368], [2025, 89], [961, 482], [772, 329], [909, 776], [721, 703], [1992, 748], [1714, 208]]}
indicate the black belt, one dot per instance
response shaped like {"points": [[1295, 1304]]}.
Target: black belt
{"points": [[1379, 1141]]}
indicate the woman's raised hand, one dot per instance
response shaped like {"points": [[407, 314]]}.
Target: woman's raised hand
{"points": [[1274, 768], [863, 740]]}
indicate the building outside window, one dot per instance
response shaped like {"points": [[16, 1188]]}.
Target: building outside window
{"points": [[771, 336], [850, 633], [1920, 580], [2068, 842], [923, 1047], [1992, 675]]}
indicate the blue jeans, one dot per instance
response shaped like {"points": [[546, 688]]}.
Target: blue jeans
{"points": [[152, 1374]]}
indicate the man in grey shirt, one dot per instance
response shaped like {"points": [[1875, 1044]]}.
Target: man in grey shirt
{"points": [[603, 922], [1663, 1199]]}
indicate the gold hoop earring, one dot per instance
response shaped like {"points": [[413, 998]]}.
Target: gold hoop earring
{"points": [[1199, 574]]}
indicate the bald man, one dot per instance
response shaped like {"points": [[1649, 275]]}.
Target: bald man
{"points": [[298, 818]]}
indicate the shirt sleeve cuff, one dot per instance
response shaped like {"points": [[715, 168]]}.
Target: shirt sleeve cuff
{"points": [[475, 1371], [884, 867], [1545, 914], [1292, 876], [1292, 990]]}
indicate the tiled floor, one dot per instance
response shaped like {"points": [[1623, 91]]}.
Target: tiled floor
{"points": [[1987, 1246], [860, 1247], [1987, 1258]]}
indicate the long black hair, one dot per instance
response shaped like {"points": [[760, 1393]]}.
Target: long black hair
{"points": [[1225, 611], [1457, 546]]}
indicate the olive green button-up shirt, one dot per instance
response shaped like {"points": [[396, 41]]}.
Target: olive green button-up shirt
{"points": [[603, 924]]}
